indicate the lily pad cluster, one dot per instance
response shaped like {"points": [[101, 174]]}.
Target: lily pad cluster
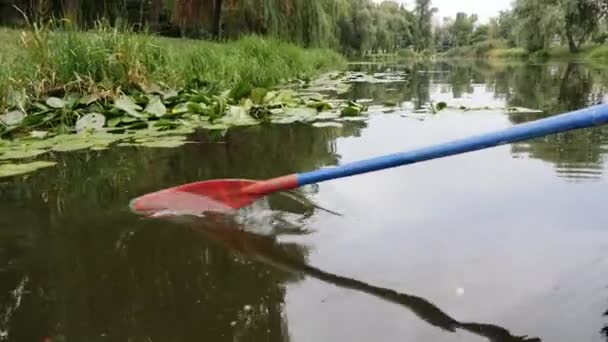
{"points": [[169, 109]]}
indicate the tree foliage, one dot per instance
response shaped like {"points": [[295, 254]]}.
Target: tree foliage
{"points": [[532, 24], [352, 26]]}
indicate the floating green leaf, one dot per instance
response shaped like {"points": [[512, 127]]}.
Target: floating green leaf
{"points": [[210, 126], [237, 116], [243, 89], [91, 121], [196, 108], [13, 118], [327, 124], [128, 105], [156, 108], [41, 107], [164, 143], [257, 95], [88, 99], [39, 134], [113, 122], [9, 170], [55, 102], [21, 153], [68, 146]]}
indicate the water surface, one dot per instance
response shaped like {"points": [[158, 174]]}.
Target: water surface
{"points": [[487, 246]]}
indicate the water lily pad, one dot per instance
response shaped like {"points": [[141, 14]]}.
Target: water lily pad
{"points": [[327, 124], [88, 99], [13, 118], [41, 107], [164, 143], [353, 118], [522, 110], [113, 122], [156, 108], [9, 170], [55, 102], [257, 95], [21, 153], [128, 105], [211, 126], [91, 121], [39, 134], [301, 113], [68, 146], [237, 116]]}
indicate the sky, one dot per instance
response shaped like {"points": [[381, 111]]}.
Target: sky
{"points": [[485, 9]]}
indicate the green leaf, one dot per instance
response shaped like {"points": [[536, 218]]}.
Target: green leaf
{"points": [[9, 170], [55, 102], [41, 107], [156, 108], [73, 145], [168, 94], [327, 124], [21, 153], [128, 119], [319, 105], [195, 108], [13, 118], [237, 116], [258, 94], [210, 126], [88, 99], [39, 134], [181, 108], [243, 89], [91, 121], [113, 122], [128, 105], [164, 143]]}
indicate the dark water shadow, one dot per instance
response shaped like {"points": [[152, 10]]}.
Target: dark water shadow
{"points": [[290, 257]]}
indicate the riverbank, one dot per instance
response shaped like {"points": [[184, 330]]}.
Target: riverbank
{"points": [[499, 50], [44, 62]]}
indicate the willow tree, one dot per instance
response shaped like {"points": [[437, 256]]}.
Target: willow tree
{"points": [[582, 18]]}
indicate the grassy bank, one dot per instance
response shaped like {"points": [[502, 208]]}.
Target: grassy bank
{"points": [[499, 50], [41, 62]]}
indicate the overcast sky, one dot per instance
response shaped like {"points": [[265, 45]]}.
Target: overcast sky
{"points": [[448, 8]]}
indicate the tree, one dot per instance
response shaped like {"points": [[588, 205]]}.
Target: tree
{"points": [[537, 23], [581, 19], [462, 29], [423, 33]]}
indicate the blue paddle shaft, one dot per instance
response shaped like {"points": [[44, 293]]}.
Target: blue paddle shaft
{"points": [[588, 117]]}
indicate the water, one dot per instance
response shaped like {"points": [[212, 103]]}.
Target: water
{"points": [[478, 247]]}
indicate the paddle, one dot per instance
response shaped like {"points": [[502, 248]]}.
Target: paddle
{"points": [[230, 194]]}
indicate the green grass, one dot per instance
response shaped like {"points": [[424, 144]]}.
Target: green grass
{"points": [[106, 59], [599, 53], [497, 50], [485, 49]]}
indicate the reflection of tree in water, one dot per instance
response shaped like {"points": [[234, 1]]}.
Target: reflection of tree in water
{"points": [[416, 88], [91, 269], [289, 257], [555, 90]]}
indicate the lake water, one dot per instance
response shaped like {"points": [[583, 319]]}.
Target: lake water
{"points": [[493, 245]]}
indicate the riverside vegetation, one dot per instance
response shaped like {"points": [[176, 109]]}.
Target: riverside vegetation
{"points": [[110, 85]]}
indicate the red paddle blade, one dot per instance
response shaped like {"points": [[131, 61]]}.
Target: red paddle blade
{"points": [[196, 198]]}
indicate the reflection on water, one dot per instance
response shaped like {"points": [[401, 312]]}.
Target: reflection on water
{"points": [[553, 88], [90, 269], [77, 265], [290, 257]]}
